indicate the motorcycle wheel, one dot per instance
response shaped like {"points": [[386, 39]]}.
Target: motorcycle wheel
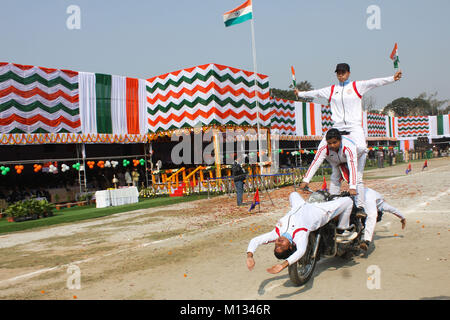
{"points": [[301, 271]]}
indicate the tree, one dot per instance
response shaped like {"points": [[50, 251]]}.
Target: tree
{"points": [[423, 105], [290, 94], [401, 107], [303, 86], [436, 106]]}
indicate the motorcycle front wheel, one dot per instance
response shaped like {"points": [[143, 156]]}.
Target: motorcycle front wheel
{"points": [[301, 271]]}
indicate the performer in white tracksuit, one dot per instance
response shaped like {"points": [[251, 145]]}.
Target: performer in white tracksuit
{"points": [[374, 203], [346, 107], [342, 160], [295, 226]]}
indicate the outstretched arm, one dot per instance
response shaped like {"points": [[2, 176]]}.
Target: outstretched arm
{"points": [[366, 85], [319, 93], [255, 243], [387, 207]]}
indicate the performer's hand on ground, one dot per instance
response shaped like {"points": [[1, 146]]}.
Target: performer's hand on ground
{"points": [[250, 263], [403, 221], [275, 269], [398, 75], [352, 192]]}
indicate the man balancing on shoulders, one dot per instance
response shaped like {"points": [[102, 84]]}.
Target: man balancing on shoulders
{"points": [[346, 108], [291, 232], [340, 153]]}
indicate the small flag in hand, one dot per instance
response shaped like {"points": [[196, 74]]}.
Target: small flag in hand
{"points": [[324, 185], [255, 201], [394, 56], [293, 77], [408, 170], [425, 165]]}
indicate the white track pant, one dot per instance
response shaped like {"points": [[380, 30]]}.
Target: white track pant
{"points": [[372, 213]]}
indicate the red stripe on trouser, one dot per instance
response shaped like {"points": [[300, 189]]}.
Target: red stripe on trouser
{"points": [[353, 165]]}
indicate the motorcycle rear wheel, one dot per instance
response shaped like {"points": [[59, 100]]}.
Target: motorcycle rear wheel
{"points": [[301, 271]]}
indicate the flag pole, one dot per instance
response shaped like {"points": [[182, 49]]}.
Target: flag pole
{"points": [[255, 72]]}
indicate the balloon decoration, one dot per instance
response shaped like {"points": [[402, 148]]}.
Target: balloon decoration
{"points": [[4, 170], [91, 164], [76, 166], [19, 169], [64, 167], [125, 162], [136, 162], [37, 167], [101, 164], [114, 163], [142, 162], [52, 169]]}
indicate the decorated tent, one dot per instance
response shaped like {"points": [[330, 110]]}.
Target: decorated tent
{"points": [[207, 95]]}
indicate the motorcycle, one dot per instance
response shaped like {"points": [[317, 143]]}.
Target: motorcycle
{"points": [[323, 243]]}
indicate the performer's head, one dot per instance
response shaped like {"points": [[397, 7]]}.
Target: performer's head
{"points": [[342, 72], [334, 139], [283, 248]]}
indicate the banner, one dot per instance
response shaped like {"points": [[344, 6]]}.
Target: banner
{"points": [[283, 116], [439, 126], [38, 100], [112, 104], [206, 95], [308, 119]]}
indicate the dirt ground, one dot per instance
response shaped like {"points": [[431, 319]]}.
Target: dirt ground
{"points": [[197, 250]]}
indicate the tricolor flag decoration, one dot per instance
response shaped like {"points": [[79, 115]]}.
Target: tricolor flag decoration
{"points": [[394, 56], [36, 100], [282, 116], [239, 14], [294, 82], [112, 104], [308, 119], [255, 201], [439, 126]]}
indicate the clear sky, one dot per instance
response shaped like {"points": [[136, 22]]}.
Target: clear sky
{"points": [[144, 38]]}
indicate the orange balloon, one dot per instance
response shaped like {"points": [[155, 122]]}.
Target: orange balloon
{"points": [[19, 171]]}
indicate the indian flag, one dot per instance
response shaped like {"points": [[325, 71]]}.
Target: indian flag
{"points": [[394, 56], [440, 126], [112, 104], [239, 14], [308, 119], [293, 76]]}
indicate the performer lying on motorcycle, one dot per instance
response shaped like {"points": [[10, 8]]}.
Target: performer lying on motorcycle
{"points": [[291, 232], [338, 151], [374, 203]]}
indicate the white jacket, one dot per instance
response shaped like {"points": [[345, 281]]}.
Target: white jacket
{"points": [[345, 101], [346, 154], [300, 221]]}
